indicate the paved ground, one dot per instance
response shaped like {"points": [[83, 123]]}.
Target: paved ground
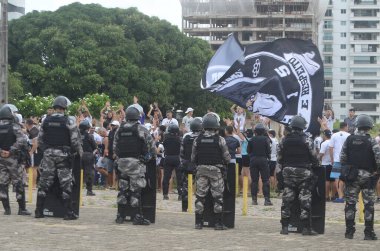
{"points": [[96, 230]]}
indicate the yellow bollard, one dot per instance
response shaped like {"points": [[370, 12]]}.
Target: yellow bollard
{"points": [[30, 185], [361, 208], [81, 189], [237, 180], [190, 193], [245, 195]]}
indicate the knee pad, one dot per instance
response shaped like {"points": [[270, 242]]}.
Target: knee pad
{"points": [[122, 199], [66, 195], [3, 192], [123, 184], [350, 210]]}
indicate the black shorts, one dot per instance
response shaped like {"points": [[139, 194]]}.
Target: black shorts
{"points": [[328, 169], [245, 161], [272, 167], [239, 161]]}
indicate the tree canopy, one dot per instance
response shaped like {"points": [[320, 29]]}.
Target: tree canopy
{"points": [[84, 49]]}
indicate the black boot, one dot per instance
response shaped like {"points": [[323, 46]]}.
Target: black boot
{"points": [[39, 212], [22, 206], [121, 210], [350, 229], [198, 221], [369, 233], [140, 220], [254, 201], [307, 229], [69, 215], [285, 226], [7, 207], [219, 222], [90, 193], [267, 202]]}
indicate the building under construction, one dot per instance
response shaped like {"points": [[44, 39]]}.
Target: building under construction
{"points": [[252, 20]]}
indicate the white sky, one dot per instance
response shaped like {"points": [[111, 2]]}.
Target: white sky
{"points": [[164, 9]]}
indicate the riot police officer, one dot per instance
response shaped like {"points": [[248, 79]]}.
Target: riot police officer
{"points": [[296, 157], [172, 146], [88, 160], [11, 141], [187, 166], [360, 157], [259, 153], [59, 139], [133, 147], [210, 155]]}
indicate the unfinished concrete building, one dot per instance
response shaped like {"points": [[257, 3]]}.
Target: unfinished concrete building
{"points": [[252, 20]]}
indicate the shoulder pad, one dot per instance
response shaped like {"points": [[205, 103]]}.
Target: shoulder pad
{"points": [[71, 120]]}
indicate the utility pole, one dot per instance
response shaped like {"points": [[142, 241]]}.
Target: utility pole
{"points": [[4, 53]]}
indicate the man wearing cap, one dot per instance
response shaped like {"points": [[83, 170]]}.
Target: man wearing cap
{"points": [[187, 120]]}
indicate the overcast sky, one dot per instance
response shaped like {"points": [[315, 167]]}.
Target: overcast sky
{"points": [[164, 9]]}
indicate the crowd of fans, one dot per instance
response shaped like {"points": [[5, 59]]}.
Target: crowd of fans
{"points": [[237, 130]]}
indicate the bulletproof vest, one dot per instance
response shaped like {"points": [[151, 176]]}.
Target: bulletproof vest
{"points": [[56, 132], [7, 136], [86, 144], [130, 145], [359, 152], [296, 151], [258, 144], [208, 150], [188, 146], [172, 144]]}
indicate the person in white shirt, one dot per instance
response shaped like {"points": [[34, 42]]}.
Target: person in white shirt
{"points": [[317, 143], [169, 119], [324, 156], [187, 120], [273, 158], [329, 115], [239, 117], [335, 145]]}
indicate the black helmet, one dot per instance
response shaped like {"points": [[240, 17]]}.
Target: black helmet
{"points": [[173, 129], [260, 128], [210, 121], [132, 113], [61, 102], [6, 113], [196, 125], [364, 121], [84, 125], [298, 122]]}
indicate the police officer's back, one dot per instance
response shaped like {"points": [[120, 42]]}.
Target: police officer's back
{"points": [[172, 146], [88, 159], [296, 157], [59, 138], [12, 141], [133, 146], [360, 157], [259, 153], [210, 154], [188, 167]]}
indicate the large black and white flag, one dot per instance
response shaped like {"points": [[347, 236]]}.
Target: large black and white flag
{"points": [[276, 79]]}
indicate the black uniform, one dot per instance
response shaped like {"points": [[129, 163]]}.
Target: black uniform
{"points": [[172, 145], [88, 160], [259, 153]]}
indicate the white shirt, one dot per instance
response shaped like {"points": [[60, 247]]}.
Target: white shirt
{"points": [[167, 122], [337, 141], [317, 143], [241, 118], [97, 138], [326, 160], [187, 120], [273, 151]]}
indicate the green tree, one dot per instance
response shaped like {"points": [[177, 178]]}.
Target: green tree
{"points": [[80, 50]]}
